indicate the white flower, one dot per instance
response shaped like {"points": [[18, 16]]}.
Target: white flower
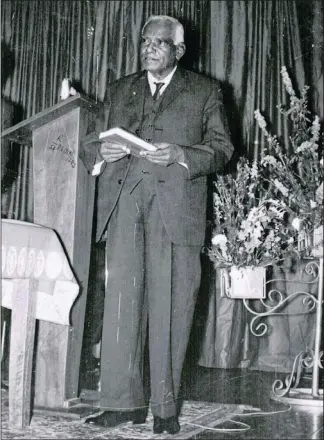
{"points": [[241, 235], [260, 120], [253, 215], [257, 231], [297, 223], [269, 239], [290, 240], [269, 160], [313, 204], [254, 170], [251, 245], [287, 82], [219, 240], [307, 145], [281, 187], [315, 130], [216, 199]]}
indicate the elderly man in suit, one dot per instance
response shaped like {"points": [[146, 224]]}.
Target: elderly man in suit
{"points": [[152, 213]]}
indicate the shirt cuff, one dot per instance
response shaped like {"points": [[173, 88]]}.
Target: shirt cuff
{"points": [[97, 168], [183, 164], [181, 160]]}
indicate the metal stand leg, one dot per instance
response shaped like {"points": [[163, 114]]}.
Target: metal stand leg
{"points": [[318, 332], [305, 396], [288, 391], [3, 338]]}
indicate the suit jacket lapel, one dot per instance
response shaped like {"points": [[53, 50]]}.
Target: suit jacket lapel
{"points": [[140, 87], [177, 84], [137, 92]]}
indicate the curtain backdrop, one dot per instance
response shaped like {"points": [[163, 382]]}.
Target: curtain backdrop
{"points": [[250, 42], [242, 43]]}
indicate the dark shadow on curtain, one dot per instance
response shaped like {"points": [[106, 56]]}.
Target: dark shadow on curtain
{"points": [[305, 20], [11, 114], [191, 57], [234, 119]]}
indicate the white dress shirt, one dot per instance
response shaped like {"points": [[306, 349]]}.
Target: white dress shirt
{"points": [[166, 81]]}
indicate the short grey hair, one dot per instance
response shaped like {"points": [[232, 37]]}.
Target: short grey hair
{"points": [[177, 28]]}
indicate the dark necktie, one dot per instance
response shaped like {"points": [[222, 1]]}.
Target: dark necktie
{"points": [[157, 90]]}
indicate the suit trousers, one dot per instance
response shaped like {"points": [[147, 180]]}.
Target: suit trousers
{"points": [[151, 284]]}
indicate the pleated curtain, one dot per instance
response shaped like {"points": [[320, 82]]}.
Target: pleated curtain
{"points": [[242, 43]]}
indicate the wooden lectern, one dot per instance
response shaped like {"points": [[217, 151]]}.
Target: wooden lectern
{"points": [[63, 201]]}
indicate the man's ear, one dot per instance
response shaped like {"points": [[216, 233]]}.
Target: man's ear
{"points": [[180, 50]]}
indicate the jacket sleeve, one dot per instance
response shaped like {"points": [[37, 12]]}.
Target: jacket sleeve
{"points": [[215, 148], [90, 145]]}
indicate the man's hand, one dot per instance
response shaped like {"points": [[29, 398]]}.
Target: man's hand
{"points": [[165, 154], [113, 152]]}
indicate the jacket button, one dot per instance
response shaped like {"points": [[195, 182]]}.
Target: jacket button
{"points": [[119, 181]]}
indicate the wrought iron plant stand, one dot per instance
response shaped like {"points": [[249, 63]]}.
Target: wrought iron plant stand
{"points": [[246, 286], [288, 391]]}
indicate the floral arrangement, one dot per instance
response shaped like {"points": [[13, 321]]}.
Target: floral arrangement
{"points": [[258, 213], [294, 173], [250, 228]]}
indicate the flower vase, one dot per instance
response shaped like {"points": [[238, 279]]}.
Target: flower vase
{"points": [[243, 282]]}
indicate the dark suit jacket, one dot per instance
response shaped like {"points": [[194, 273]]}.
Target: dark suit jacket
{"points": [[191, 114]]}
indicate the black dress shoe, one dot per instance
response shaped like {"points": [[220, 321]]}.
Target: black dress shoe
{"points": [[170, 425], [139, 416], [109, 419]]}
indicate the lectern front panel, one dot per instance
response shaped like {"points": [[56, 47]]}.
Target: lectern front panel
{"points": [[55, 175], [63, 201]]}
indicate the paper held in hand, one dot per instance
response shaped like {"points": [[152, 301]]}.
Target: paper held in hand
{"points": [[128, 140]]}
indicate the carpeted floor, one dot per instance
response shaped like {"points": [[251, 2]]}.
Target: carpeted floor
{"points": [[195, 418]]}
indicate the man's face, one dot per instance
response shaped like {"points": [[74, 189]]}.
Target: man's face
{"points": [[158, 53]]}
